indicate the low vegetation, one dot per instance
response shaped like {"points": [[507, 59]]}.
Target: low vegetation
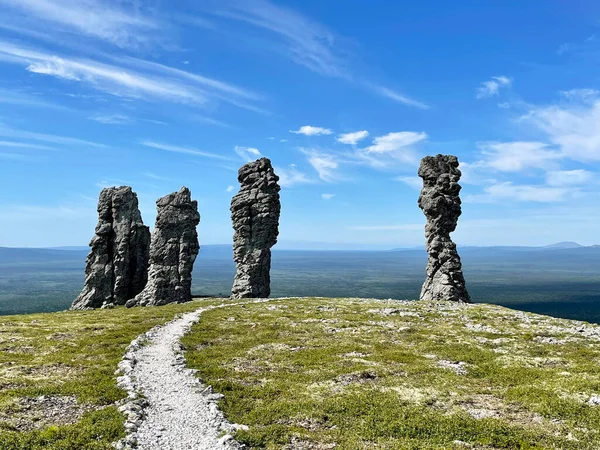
{"points": [[57, 375], [356, 374], [319, 374]]}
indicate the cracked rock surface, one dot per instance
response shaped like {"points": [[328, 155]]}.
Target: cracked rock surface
{"points": [[117, 265], [441, 205], [173, 251], [255, 213]]}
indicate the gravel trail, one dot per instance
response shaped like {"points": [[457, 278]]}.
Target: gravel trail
{"points": [[168, 407]]}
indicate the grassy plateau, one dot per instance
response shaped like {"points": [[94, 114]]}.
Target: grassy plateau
{"points": [[319, 373]]}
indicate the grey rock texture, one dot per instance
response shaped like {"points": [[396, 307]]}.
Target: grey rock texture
{"points": [[440, 203], [255, 213], [173, 251], [117, 265]]}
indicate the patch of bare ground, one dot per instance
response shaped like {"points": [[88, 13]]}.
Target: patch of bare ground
{"points": [[36, 413]]}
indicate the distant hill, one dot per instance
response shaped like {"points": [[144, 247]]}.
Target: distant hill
{"points": [[566, 244]]}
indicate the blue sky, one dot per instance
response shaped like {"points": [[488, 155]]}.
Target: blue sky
{"points": [[344, 97]]}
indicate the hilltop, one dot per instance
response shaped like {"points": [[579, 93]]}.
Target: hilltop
{"points": [[319, 373]]}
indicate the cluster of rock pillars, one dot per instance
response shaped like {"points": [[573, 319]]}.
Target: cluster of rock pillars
{"points": [[128, 266]]}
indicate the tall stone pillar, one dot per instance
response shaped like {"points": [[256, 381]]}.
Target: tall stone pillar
{"points": [[441, 205], [255, 213], [173, 251], [117, 265]]}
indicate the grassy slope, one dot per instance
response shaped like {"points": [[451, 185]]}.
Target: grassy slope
{"points": [[71, 354], [349, 374], [311, 373]]}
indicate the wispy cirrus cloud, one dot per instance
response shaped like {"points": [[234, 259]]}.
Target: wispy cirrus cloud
{"points": [[517, 156], [571, 126], [327, 196], [492, 87], [25, 145], [413, 182], [14, 97], [508, 191], [305, 41], [569, 177], [248, 153], [124, 24], [112, 119], [184, 150], [156, 82], [392, 142], [291, 176], [50, 138], [352, 138], [325, 164], [396, 96], [391, 150]]}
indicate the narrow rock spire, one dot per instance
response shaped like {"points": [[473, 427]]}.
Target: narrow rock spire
{"points": [[441, 205], [255, 213], [173, 251], [117, 265]]}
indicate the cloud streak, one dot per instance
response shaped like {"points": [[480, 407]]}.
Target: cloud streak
{"points": [[158, 82], [121, 26], [184, 150]]}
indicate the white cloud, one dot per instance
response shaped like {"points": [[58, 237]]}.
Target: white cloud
{"points": [[112, 119], [248, 153], [395, 141], [521, 193], [155, 177], [230, 189], [301, 39], [519, 155], [397, 97], [185, 150], [51, 138], [588, 96], [108, 21], [569, 177], [413, 182], [270, 138], [291, 176], [573, 127], [13, 97], [327, 196], [210, 121], [158, 82], [353, 138], [492, 87], [308, 130], [325, 164], [16, 145], [283, 140]]}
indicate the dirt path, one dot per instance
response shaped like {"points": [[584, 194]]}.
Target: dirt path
{"points": [[168, 407]]}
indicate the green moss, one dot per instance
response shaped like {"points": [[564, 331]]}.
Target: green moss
{"points": [[74, 354], [338, 371]]}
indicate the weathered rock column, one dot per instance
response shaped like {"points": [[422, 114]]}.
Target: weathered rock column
{"points": [[255, 213], [440, 203], [173, 251], [117, 265]]}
